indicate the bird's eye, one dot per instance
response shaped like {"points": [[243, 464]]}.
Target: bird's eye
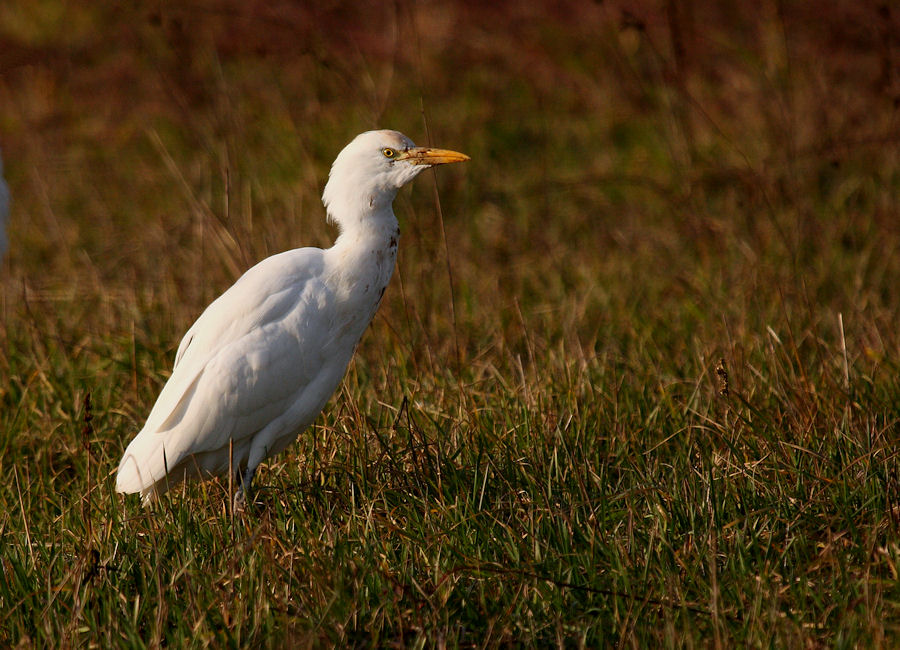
{"points": [[387, 152]]}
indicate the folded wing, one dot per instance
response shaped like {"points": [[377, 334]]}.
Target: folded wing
{"points": [[252, 356]]}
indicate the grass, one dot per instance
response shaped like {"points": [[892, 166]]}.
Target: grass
{"points": [[659, 405]]}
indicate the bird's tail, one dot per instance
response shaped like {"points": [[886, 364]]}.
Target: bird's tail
{"points": [[143, 464]]}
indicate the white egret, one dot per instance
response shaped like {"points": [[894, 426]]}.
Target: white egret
{"points": [[262, 360]]}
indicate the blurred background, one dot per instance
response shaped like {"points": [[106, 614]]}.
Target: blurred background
{"points": [[697, 149]]}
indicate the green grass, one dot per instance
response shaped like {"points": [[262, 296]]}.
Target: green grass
{"points": [[542, 451]]}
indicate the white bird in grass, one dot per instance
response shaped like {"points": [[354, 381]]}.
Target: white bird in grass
{"points": [[263, 359]]}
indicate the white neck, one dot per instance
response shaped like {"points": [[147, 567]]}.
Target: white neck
{"points": [[370, 228], [364, 255]]}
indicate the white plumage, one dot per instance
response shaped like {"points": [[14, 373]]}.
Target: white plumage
{"points": [[262, 360]]}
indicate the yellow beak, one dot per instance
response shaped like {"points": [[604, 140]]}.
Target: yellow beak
{"points": [[429, 156]]}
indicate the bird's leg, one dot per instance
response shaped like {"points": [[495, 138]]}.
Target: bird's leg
{"points": [[244, 492]]}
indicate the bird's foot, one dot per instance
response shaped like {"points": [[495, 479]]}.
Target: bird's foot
{"points": [[241, 503], [243, 498]]}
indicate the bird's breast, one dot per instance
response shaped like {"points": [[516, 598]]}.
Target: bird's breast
{"points": [[364, 274]]}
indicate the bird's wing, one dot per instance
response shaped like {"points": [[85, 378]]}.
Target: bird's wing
{"points": [[261, 295], [242, 364]]}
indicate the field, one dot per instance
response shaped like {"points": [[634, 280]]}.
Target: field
{"points": [[636, 380]]}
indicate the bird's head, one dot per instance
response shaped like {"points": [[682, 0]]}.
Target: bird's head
{"points": [[367, 174]]}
